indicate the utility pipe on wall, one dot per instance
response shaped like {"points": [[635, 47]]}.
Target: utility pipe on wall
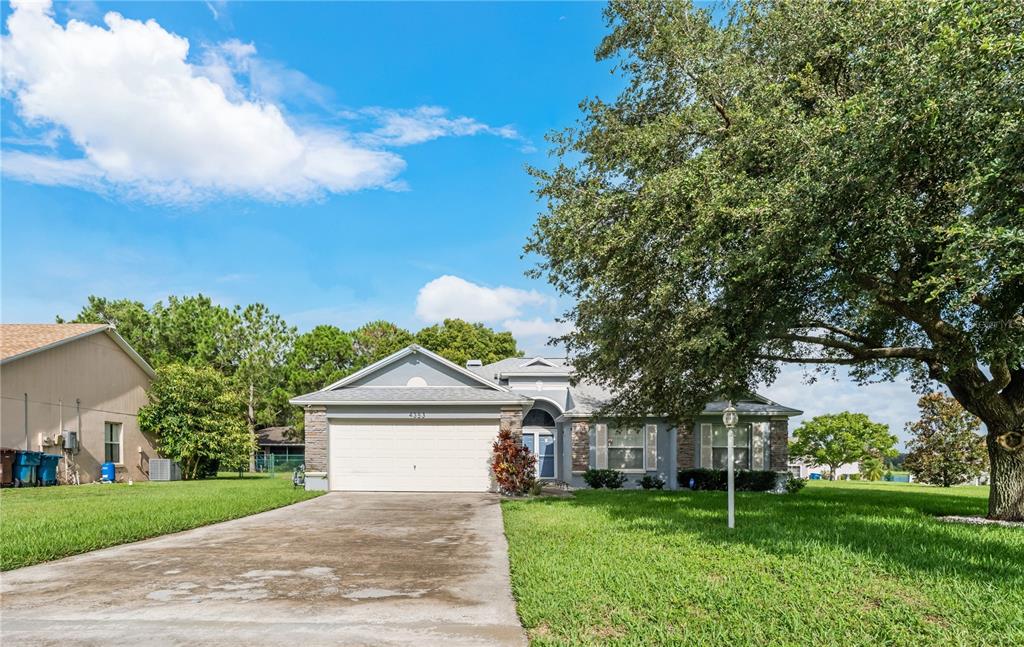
{"points": [[27, 447]]}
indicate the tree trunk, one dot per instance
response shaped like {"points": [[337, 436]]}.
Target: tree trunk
{"points": [[1006, 488]]}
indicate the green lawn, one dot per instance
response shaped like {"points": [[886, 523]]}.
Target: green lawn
{"points": [[40, 524], [848, 563]]}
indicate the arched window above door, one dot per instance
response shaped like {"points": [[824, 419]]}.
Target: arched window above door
{"points": [[538, 418]]}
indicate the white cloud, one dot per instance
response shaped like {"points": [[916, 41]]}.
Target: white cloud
{"points": [[892, 403], [154, 126], [216, 7], [405, 127], [533, 335], [452, 297], [536, 327], [265, 81]]}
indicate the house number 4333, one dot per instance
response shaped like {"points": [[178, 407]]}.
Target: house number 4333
{"points": [[417, 415]]}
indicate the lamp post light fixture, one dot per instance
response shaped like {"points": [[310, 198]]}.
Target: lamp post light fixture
{"points": [[730, 418]]}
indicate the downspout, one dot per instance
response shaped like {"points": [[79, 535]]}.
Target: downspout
{"points": [[27, 447], [78, 410]]}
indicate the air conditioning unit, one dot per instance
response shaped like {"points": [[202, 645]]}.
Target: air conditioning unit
{"points": [[164, 469], [70, 440]]}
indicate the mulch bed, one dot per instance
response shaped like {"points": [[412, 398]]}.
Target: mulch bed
{"points": [[981, 521]]}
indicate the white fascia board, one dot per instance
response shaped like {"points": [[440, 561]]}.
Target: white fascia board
{"points": [[534, 374], [127, 348], [419, 403]]}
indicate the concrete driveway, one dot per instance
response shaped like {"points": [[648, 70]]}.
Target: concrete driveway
{"points": [[342, 569]]}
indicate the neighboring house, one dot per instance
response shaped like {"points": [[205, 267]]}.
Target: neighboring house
{"points": [[283, 443], [416, 421], [804, 469], [80, 378]]}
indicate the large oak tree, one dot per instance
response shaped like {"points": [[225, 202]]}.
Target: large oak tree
{"points": [[808, 182]]}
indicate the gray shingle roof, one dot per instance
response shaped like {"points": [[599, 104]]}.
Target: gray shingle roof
{"points": [[515, 365], [588, 398], [277, 436], [409, 394]]}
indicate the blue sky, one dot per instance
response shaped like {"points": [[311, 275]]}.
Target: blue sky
{"points": [[338, 162]]}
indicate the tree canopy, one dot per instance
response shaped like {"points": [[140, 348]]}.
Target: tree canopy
{"points": [[839, 439], [459, 341], [196, 419], [265, 360], [946, 447], [816, 183]]}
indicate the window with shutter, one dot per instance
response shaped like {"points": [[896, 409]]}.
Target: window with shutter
{"points": [[652, 448], [757, 445], [601, 446], [705, 445]]}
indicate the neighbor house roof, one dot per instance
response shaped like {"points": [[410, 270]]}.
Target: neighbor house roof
{"points": [[21, 340], [277, 436], [410, 395]]}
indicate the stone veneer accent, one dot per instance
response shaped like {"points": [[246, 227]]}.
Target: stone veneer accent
{"points": [[316, 439], [580, 445], [512, 420], [779, 448], [686, 446]]}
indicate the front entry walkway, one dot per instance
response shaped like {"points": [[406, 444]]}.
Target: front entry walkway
{"points": [[342, 569]]}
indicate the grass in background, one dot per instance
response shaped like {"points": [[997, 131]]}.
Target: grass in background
{"points": [[846, 563], [42, 524]]}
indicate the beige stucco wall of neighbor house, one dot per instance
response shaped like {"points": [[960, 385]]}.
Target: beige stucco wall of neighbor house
{"points": [[109, 386]]}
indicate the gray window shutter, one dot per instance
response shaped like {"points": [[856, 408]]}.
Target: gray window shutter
{"points": [[651, 459], [601, 446], [757, 444], [705, 445]]}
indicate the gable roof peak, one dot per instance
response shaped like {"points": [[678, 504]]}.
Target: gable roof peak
{"points": [[538, 361], [405, 352]]}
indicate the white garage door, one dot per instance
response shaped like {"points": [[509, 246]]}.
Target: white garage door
{"points": [[413, 456]]}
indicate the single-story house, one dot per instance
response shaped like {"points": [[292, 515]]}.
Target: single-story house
{"points": [[415, 421], [77, 378], [284, 444]]}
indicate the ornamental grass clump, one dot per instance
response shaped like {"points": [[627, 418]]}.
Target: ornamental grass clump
{"points": [[513, 464]]}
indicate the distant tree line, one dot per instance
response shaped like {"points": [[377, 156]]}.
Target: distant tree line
{"points": [[262, 360]]}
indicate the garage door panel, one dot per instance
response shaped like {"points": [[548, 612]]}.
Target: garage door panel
{"points": [[412, 456]]}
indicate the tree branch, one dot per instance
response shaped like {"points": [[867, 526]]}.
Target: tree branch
{"points": [[1001, 376], [809, 360], [845, 332], [862, 352]]}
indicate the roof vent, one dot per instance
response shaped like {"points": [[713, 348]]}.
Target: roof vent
{"points": [[473, 363]]}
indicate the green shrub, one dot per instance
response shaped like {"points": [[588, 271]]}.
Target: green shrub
{"points": [[748, 480], [794, 485], [650, 482], [597, 479], [537, 488], [854, 477]]}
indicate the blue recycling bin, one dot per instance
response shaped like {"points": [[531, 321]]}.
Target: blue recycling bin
{"points": [[815, 476], [108, 473], [46, 473], [26, 465]]}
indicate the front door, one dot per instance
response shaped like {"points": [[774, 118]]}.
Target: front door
{"points": [[541, 445]]}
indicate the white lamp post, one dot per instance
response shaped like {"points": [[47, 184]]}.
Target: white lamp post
{"points": [[730, 418]]}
